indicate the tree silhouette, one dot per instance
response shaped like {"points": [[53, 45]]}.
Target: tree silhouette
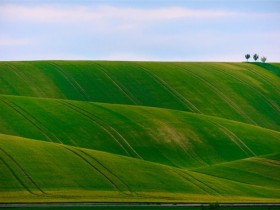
{"points": [[256, 57], [247, 56], [263, 59]]}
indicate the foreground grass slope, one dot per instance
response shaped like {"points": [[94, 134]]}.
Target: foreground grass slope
{"points": [[42, 171], [164, 136], [239, 91]]}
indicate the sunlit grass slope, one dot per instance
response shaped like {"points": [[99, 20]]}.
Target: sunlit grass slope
{"points": [[239, 91], [164, 136], [43, 171]]}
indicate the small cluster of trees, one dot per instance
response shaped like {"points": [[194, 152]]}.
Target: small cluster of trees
{"points": [[255, 57]]}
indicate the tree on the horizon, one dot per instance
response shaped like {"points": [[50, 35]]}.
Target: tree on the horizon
{"points": [[263, 59], [256, 57], [247, 56]]}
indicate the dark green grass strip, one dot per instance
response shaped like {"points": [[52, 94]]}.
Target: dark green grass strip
{"points": [[121, 87], [270, 67], [71, 81], [25, 79], [190, 106]]}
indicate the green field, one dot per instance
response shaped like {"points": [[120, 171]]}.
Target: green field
{"points": [[100, 131]]}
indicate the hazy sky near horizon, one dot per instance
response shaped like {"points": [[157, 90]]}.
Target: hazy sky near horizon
{"points": [[164, 30]]}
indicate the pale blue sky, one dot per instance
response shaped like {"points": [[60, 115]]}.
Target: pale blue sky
{"points": [[165, 30]]}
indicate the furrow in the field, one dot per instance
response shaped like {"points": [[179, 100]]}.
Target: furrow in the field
{"points": [[26, 116], [193, 181], [219, 93], [125, 144], [106, 170], [271, 103], [141, 128], [121, 87], [189, 105], [264, 78], [235, 139], [36, 122], [93, 120], [23, 78], [71, 81], [19, 180], [77, 154], [24, 174], [209, 188]]}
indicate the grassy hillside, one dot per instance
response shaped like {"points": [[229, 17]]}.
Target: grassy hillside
{"points": [[263, 170], [165, 136], [139, 132], [49, 171], [242, 92], [274, 68]]}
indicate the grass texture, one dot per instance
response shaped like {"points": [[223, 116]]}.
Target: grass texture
{"points": [[100, 131]]}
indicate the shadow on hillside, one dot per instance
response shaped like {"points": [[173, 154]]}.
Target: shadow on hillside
{"points": [[270, 67]]}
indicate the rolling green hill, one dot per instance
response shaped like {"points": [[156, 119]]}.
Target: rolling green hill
{"points": [[242, 92], [165, 136], [139, 131]]}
